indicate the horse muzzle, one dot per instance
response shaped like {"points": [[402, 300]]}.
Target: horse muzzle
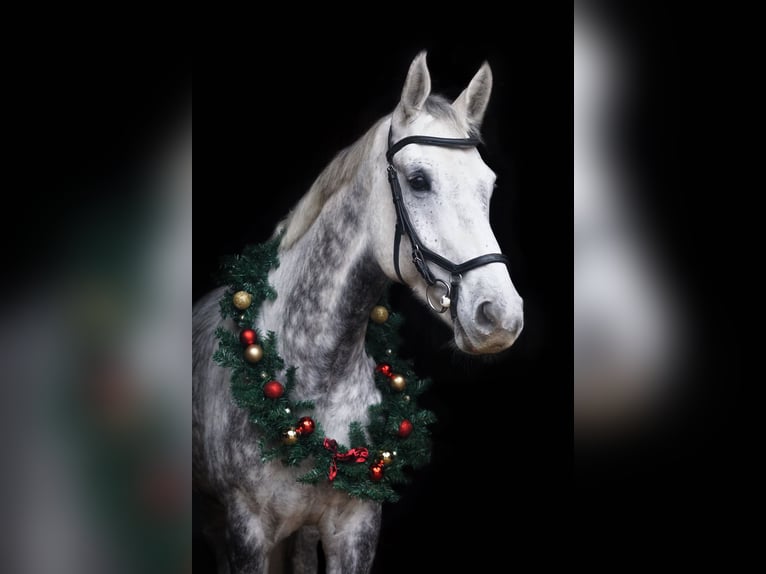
{"points": [[489, 326]]}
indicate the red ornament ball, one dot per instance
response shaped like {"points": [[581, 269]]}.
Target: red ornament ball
{"points": [[248, 337], [305, 426], [405, 429], [384, 368], [376, 472], [273, 390]]}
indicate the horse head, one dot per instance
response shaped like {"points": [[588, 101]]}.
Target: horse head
{"points": [[445, 189]]}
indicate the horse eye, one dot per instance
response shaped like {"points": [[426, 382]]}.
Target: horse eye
{"points": [[419, 183]]}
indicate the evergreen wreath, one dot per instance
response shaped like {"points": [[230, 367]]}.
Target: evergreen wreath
{"points": [[397, 436]]}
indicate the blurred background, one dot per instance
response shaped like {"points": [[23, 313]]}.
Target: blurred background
{"points": [[634, 327], [662, 425], [94, 313]]}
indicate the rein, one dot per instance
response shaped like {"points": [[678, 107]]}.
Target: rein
{"points": [[422, 255]]}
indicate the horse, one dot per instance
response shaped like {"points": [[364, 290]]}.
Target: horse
{"points": [[336, 260]]}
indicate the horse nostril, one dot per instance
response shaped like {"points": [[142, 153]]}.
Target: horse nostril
{"points": [[485, 315], [490, 318]]}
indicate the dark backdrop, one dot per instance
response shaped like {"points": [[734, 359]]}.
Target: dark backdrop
{"points": [[501, 477], [502, 446]]}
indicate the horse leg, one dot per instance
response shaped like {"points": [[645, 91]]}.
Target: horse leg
{"points": [[350, 536], [246, 542]]}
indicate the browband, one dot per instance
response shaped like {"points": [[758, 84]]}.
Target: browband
{"points": [[428, 140]]}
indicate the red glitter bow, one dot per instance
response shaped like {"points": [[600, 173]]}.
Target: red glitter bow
{"points": [[354, 454]]}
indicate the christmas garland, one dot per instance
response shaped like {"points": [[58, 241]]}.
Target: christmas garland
{"points": [[378, 455]]}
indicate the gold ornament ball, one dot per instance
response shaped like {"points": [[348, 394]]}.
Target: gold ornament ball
{"points": [[386, 457], [253, 353], [290, 437], [242, 300], [398, 383], [379, 314]]}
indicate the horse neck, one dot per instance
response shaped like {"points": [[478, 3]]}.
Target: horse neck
{"points": [[327, 283]]}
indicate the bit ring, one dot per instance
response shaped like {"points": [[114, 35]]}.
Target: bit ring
{"points": [[444, 301]]}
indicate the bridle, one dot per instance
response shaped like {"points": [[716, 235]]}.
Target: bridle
{"points": [[421, 254]]}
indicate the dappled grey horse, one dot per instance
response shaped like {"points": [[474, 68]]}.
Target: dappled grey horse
{"points": [[335, 262]]}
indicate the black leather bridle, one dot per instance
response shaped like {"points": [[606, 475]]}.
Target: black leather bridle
{"points": [[421, 254]]}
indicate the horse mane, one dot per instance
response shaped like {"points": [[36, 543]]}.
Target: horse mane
{"points": [[338, 173], [343, 168]]}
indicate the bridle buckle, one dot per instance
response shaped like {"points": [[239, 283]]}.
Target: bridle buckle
{"points": [[420, 263]]}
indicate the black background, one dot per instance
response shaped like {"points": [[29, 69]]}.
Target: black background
{"points": [[502, 446]]}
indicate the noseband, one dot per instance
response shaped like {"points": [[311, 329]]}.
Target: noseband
{"points": [[422, 255]]}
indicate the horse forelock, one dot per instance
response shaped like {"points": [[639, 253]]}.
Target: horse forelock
{"points": [[441, 108]]}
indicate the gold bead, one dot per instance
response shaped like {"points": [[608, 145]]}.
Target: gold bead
{"points": [[253, 353], [242, 300], [386, 457], [379, 314], [398, 383], [290, 437], [406, 398]]}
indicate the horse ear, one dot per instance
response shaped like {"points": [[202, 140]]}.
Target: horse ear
{"points": [[417, 87], [474, 99]]}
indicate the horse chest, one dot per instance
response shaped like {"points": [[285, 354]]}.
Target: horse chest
{"points": [[272, 493]]}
